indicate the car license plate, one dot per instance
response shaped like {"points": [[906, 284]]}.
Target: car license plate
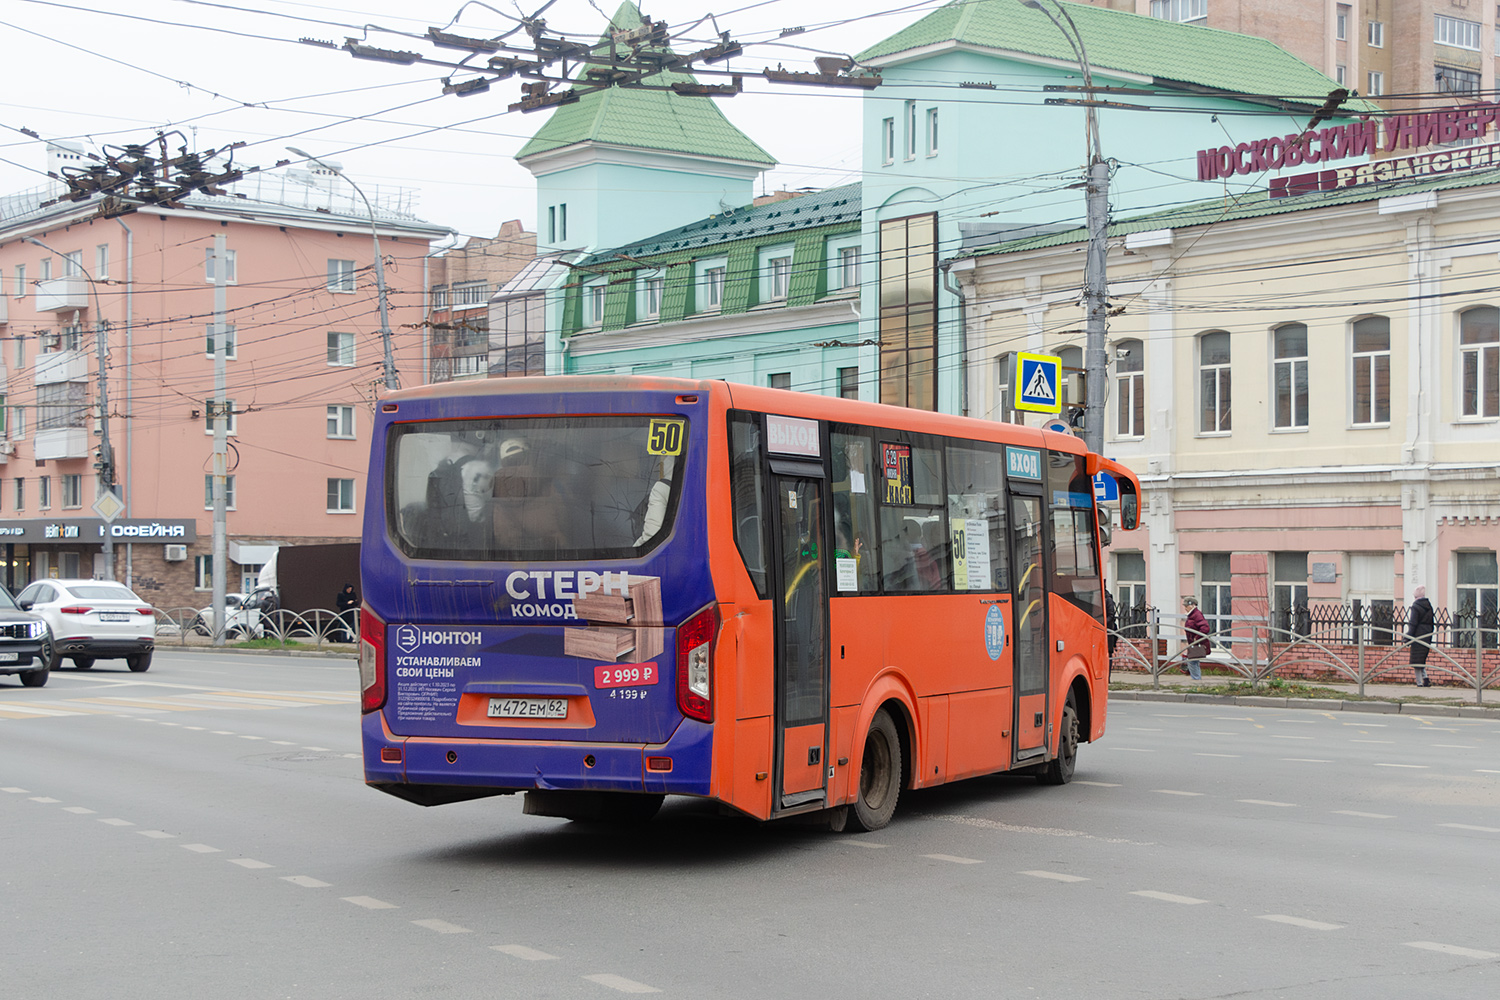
{"points": [[528, 708], [113, 616], [9, 657]]}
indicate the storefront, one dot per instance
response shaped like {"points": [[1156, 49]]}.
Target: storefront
{"points": [[74, 547]]}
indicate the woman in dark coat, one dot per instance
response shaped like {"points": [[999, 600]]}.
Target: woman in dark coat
{"points": [[1419, 635], [346, 603], [1197, 632]]}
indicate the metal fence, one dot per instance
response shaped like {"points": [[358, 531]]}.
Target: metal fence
{"points": [[317, 627]]}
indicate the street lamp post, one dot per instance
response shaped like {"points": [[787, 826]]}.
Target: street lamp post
{"points": [[392, 378], [106, 463], [1095, 281]]}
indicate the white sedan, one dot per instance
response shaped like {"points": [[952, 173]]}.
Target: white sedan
{"points": [[93, 620]]}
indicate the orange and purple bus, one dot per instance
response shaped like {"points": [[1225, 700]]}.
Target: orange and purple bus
{"points": [[601, 591]]}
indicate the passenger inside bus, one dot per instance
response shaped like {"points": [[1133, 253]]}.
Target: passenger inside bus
{"points": [[458, 499]]}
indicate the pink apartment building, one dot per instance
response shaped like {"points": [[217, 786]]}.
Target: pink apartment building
{"points": [[303, 371]]}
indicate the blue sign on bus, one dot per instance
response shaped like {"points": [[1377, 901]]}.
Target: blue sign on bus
{"points": [[1023, 463]]}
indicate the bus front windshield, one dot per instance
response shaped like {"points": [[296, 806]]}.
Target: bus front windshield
{"points": [[530, 489]]}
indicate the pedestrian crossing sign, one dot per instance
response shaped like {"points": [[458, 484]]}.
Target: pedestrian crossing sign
{"points": [[1038, 377]]}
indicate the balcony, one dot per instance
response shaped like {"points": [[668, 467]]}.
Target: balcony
{"points": [[60, 366], [58, 294], [61, 443]]}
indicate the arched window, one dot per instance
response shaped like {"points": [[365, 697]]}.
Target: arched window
{"points": [[1479, 354], [1372, 370], [1289, 375], [1130, 389], [1213, 382]]}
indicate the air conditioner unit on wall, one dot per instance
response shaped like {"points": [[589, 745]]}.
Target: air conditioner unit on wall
{"points": [[174, 553], [7, 447]]}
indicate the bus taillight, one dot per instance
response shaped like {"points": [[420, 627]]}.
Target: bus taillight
{"points": [[695, 660], [371, 661]]}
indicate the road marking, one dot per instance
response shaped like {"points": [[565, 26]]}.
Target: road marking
{"points": [[1167, 897], [78, 810], [1233, 718], [45, 800], [1366, 725], [1099, 784], [221, 732], [1215, 755], [1373, 741], [1131, 750], [32, 711], [1056, 876], [523, 952], [371, 903], [620, 983], [196, 729], [952, 858], [117, 822], [284, 743], [442, 926], [12, 789], [249, 863], [1266, 802], [1415, 767], [1312, 925], [991, 824], [863, 843], [318, 749], [244, 737], [306, 881], [1140, 729], [1169, 791], [1451, 949], [1307, 760], [157, 834], [200, 848], [166, 723], [1455, 746], [1279, 736], [1466, 826], [1214, 732], [1477, 770], [1361, 815]]}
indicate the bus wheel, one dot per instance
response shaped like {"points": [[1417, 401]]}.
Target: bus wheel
{"points": [[879, 776], [1059, 770]]}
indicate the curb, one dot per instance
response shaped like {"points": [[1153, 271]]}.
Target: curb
{"points": [[332, 654], [1317, 704]]}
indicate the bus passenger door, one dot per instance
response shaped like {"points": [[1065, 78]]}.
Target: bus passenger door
{"points": [[801, 595], [1028, 532]]}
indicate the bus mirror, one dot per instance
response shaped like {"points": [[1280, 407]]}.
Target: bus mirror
{"points": [[1129, 508]]}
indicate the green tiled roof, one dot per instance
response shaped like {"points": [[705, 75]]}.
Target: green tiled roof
{"points": [[1258, 204], [831, 207], [647, 119], [1172, 54]]}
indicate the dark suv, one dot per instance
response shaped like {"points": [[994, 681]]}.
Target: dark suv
{"points": [[25, 643]]}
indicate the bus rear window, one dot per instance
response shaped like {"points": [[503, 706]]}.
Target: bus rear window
{"points": [[531, 489]]}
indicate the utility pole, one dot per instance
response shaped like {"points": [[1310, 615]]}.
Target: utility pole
{"points": [[1095, 279], [218, 411]]}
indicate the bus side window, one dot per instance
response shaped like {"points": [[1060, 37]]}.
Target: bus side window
{"points": [[854, 535], [976, 513], [747, 490]]}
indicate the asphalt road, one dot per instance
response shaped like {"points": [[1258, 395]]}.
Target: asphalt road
{"points": [[201, 830]]}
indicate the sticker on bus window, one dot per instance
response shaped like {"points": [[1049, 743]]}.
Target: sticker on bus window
{"points": [[895, 460], [664, 437]]}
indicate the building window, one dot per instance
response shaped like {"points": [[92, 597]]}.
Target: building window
{"points": [[849, 383], [469, 364], [1452, 80], [17, 423], [440, 296], [1179, 10], [713, 287], [340, 348], [20, 503], [231, 270], [72, 263], [1455, 31], [1213, 572], [1005, 398], [341, 421], [203, 572], [1478, 594], [1341, 74], [72, 490], [551, 223], [779, 380], [1130, 389], [20, 289], [340, 496], [1343, 21], [1374, 84], [1376, 34], [230, 341], [911, 129], [1290, 375], [44, 492], [212, 407], [61, 404], [932, 131], [522, 337], [1372, 370], [849, 268], [1289, 594], [101, 262], [779, 278], [340, 275], [1214, 382], [596, 304], [908, 313], [208, 492], [887, 146], [651, 289], [1479, 358], [557, 223], [1130, 593], [471, 293], [46, 271]]}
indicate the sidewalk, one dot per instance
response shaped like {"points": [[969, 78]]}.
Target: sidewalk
{"points": [[1387, 699]]}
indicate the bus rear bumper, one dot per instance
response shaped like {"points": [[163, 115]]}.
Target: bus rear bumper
{"points": [[680, 766]]}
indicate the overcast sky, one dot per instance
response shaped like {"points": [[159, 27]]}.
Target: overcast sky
{"points": [[232, 71]]}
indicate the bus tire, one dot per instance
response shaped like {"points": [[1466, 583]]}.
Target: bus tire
{"points": [[1059, 770], [879, 776]]}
